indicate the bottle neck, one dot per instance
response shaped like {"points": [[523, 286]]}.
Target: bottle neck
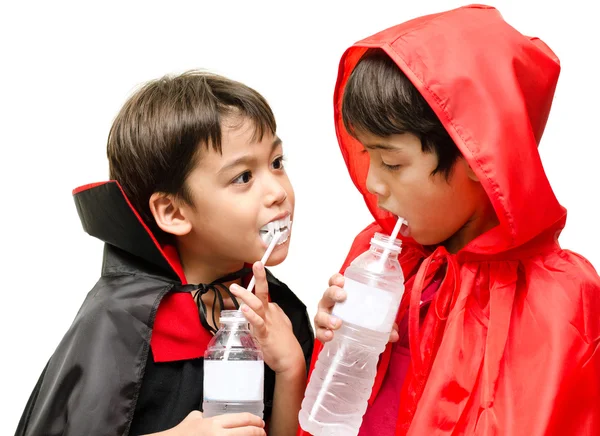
{"points": [[233, 320], [381, 244], [378, 251]]}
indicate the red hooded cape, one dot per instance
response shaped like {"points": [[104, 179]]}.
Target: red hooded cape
{"points": [[510, 345]]}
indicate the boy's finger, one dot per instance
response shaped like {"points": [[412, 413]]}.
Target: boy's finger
{"points": [[326, 321], [246, 431], [394, 335], [256, 321], [337, 280], [332, 295], [324, 335], [233, 420], [261, 288], [248, 298]]}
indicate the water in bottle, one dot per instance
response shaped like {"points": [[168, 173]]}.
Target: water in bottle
{"points": [[233, 369], [341, 382]]}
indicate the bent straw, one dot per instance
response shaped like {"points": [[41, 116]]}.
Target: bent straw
{"points": [[264, 259]]}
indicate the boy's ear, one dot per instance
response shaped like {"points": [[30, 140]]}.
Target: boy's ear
{"points": [[168, 214], [470, 173]]}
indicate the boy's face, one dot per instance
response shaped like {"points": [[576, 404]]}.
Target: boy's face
{"points": [[436, 208], [235, 194]]}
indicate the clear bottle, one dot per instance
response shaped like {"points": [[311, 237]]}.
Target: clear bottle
{"points": [[341, 382], [233, 369]]}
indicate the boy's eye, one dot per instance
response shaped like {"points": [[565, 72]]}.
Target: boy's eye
{"points": [[390, 167], [243, 178], [278, 163]]}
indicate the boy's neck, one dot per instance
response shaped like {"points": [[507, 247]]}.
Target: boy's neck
{"points": [[200, 270], [480, 222]]}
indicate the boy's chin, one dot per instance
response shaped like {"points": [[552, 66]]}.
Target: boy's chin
{"points": [[427, 240], [278, 255]]}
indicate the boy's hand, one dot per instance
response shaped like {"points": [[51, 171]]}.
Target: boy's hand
{"points": [[325, 323], [270, 326], [235, 424]]}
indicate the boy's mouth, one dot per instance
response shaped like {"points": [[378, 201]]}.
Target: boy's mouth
{"points": [[404, 229], [282, 226]]}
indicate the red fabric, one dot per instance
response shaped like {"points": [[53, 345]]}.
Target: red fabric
{"points": [[529, 364], [86, 187], [178, 333], [380, 418]]}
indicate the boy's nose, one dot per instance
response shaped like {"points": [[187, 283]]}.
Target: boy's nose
{"points": [[277, 193], [374, 184]]}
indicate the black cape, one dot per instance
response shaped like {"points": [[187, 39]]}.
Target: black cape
{"points": [[92, 382]]}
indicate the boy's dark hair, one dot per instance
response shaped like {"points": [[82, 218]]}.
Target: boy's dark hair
{"points": [[381, 100], [155, 140]]}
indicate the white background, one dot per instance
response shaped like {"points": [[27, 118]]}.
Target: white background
{"points": [[68, 67]]}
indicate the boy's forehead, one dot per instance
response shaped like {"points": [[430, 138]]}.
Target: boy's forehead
{"points": [[240, 149], [239, 134], [248, 140], [243, 132], [371, 141]]}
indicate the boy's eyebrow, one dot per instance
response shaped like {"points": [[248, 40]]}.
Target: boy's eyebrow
{"points": [[248, 159], [381, 147]]}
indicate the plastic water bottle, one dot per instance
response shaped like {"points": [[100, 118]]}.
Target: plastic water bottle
{"points": [[234, 370], [342, 380]]}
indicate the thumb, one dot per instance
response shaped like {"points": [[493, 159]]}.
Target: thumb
{"points": [[195, 415]]}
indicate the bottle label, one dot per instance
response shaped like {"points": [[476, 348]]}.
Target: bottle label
{"points": [[234, 380], [368, 307]]}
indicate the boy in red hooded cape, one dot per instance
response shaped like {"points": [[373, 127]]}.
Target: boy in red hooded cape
{"points": [[439, 121]]}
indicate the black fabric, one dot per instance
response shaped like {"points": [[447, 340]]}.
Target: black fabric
{"points": [[92, 382], [171, 390], [106, 214]]}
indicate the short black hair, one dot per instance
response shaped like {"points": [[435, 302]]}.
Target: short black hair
{"points": [[381, 100], [156, 139]]}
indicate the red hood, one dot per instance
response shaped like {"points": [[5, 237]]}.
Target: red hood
{"points": [[508, 81], [515, 324]]}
